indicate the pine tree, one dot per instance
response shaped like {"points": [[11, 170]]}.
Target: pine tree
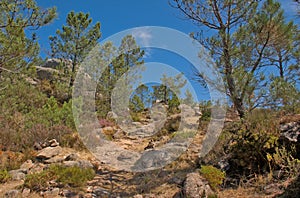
{"points": [[169, 91], [241, 35], [129, 56], [143, 93], [17, 50], [75, 40], [136, 104], [283, 54], [188, 98]]}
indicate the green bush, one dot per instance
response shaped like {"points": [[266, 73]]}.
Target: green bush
{"points": [[252, 139], [283, 160], [213, 175], [205, 108], [67, 176], [4, 176], [28, 116], [38, 181], [73, 176], [52, 113], [21, 97]]}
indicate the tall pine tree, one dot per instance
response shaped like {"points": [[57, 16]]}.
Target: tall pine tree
{"points": [[75, 40], [19, 48]]}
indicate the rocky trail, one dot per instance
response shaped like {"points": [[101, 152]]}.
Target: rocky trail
{"points": [[179, 178]]}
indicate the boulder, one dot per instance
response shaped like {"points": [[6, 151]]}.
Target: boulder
{"points": [[290, 136], [100, 192], [12, 194], [44, 73], [72, 157], [186, 110], [37, 168], [111, 115], [18, 175], [55, 159], [49, 152], [197, 111], [291, 131], [51, 193], [80, 163], [37, 146], [55, 63], [196, 186], [27, 165], [53, 143], [26, 192]]}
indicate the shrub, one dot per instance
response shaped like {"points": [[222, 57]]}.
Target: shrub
{"points": [[213, 175], [283, 160], [67, 176], [12, 160], [136, 117], [252, 139], [205, 108], [73, 176], [20, 97], [4, 176], [38, 181], [35, 120]]}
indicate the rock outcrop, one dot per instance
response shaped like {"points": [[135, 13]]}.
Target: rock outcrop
{"points": [[196, 186], [291, 131]]}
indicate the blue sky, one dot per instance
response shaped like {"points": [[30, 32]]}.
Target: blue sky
{"points": [[119, 15]]}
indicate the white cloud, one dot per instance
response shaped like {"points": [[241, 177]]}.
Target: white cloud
{"points": [[143, 38]]}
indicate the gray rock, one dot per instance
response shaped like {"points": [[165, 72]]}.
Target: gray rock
{"points": [[18, 175], [51, 193], [152, 159], [55, 159], [49, 152], [56, 63], [141, 131], [186, 110], [12, 194], [290, 131], [72, 157], [53, 143], [25, 192], [100, 192], [27, 165], [37, 146], [80, 163], [44, 73], [71, 163], [85, 164], [224, 165], [197, 111], [37, 168], [196, 186], [111, 115]]}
